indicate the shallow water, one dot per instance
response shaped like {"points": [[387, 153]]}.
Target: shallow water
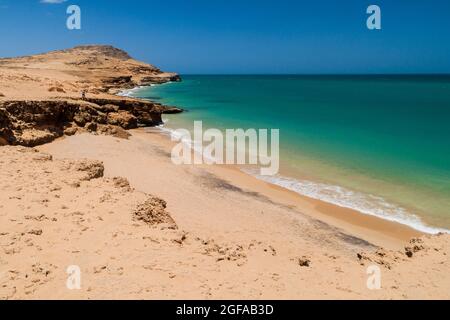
{"points": [[378, 144]]}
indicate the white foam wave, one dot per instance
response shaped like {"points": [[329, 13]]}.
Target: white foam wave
{"points": [[195, 146], [364, 203], [337, 195], [129, 92]]}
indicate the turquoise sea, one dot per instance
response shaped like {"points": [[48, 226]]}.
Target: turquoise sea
{"points": [[378, 144]]}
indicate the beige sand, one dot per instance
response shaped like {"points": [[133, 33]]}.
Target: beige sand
{"points": [[231, 241]]}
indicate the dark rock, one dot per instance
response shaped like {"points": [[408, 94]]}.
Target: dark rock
{"points": [[120, 81], [172, 110], [101, 118], [41, 112], [159, 78], [304, 262], [6, 134], [36, 232], [82, 118], [107, 108], [409, 252], [91, 126], [3, 141]]}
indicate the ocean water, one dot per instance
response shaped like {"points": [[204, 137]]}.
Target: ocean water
{"points": [[377, 144]]}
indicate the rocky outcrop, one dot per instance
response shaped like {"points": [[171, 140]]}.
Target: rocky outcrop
{"points": [[147, 113], [159, 78], [32, 123], [153, 212], [35, 137], [119, 81], [78, 97], [123, 119], [109, 84], [423, 248], [6, 134]]}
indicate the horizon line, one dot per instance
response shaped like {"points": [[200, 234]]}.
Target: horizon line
{"points": [[317, 74]]}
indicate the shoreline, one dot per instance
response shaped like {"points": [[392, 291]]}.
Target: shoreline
{"points": [[374, 229], [402, 217], [236, 236]]}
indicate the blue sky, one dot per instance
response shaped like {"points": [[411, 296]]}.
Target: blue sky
{"points": [[243, 36]]}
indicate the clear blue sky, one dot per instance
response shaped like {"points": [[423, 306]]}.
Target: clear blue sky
{"points": [[243, 36]]}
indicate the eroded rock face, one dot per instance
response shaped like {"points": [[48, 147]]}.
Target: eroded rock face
{"points": [[32, 123], [146, 80], [41, 113], [147, 113], [33, 137], [6, 134], [123, 119]]}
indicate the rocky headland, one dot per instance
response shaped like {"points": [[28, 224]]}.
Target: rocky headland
{"points": [[46, 96]]}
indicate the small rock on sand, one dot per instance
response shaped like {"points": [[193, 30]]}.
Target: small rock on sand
{"points": [[304, 262]]}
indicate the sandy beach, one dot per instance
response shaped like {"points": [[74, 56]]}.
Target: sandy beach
{"points": [[139, 227]]}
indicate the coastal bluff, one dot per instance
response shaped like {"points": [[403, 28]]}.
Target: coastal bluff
{"points": [[46, 96]]}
